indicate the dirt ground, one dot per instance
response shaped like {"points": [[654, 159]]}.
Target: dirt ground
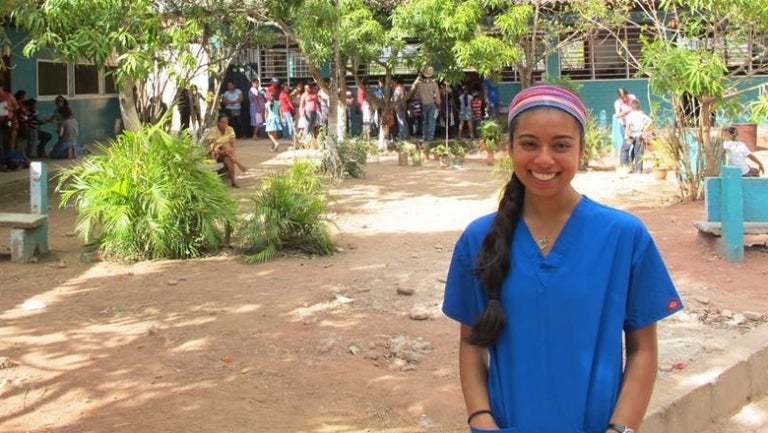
{"points": [[354, 342]]}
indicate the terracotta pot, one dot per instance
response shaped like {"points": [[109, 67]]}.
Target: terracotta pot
{"points": [[402, 159], [660, 173]]}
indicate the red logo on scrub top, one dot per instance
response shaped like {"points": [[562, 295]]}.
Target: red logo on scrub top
{"points": [[673, 305]]}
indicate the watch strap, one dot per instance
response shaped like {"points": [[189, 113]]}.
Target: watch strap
{"points": [[620, 428]]}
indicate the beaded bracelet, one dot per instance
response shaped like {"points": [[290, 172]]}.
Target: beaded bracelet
{"points": [[478, 412]]}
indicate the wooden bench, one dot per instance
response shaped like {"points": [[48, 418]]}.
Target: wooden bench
{"points": [[735, 206], [29, 234]]}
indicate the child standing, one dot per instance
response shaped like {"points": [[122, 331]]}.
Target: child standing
{"points": [[38, 138], [738, 153]]}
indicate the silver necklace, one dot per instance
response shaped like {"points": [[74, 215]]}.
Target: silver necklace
{"points": [[543, 242]]}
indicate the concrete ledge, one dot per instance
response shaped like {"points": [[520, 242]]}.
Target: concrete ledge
{"points": [[715, 228], [711, 388]]}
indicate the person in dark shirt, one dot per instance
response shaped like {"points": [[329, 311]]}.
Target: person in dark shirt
{"points": [[37, 137]]}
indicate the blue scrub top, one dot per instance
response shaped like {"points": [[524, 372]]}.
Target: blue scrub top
{"points": [[558, 364]]}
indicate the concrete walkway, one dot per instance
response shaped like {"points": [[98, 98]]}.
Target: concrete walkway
{"points": [[710, 391]]}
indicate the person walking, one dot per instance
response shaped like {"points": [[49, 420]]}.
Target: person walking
{"points": [[556, 335]]}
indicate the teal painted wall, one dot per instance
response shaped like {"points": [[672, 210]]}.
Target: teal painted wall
{"points": [[600, 94], [96, 114], [597, 94]]}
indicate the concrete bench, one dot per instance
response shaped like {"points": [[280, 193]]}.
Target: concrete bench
{"points": [[735, 206], [29, 234], [29, 231]]}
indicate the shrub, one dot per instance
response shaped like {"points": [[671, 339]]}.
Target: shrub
{"points": [[353, 153], [597, 141], [347, 157], [289, 214], [491, 132], [148, 195]]}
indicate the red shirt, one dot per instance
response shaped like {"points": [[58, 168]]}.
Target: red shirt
{"points": [[285, 103], [361, 91]]}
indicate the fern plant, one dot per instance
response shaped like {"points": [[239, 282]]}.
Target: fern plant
{"points": [[289, 213], [148, 195]]}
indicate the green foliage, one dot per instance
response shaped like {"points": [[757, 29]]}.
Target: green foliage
{"points": [[404, 146], [503, 168], [443, 150], [138, 38], [597, 141], [458, 150], [353, 152], [452, 26], [289, 213], [681, 70], [349, 158], [565, 82], [149, 195], [693, 60], [491, 132]]}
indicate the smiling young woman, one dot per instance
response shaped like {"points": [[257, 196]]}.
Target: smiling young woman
{"points": [[582, 284]]}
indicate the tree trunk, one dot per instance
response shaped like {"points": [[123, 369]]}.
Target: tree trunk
{"points": [[526, 76], [383, 134], [127, 101]]}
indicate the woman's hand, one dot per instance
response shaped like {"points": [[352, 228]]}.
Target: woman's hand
{"points": [[484, 421]]}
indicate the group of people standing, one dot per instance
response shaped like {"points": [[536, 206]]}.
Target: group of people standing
{"points": [[276, 110], [21, 137], [430, 108]]}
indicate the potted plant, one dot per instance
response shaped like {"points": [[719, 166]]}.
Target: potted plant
{"points": [[660, 164], [459, 152], [416, 157], [490, 132], [404, 149], [445, 154]]}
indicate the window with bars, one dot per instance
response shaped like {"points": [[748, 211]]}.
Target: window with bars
{"points": [[510, 74], [52, 78], [283, 63], [86, 79], [602, 56], [402, 68]]}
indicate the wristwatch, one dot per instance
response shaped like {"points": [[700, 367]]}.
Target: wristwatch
{"points": [[620, 428]]}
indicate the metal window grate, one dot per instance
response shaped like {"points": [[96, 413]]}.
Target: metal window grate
{"points": [[602, 56], [286, 64]]}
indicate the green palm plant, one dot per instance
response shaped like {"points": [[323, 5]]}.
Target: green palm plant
{"points": [[148, 195], [289, 213]]}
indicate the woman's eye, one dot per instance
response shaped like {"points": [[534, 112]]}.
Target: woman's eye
{"points": [[562, 147], [528, 145]]}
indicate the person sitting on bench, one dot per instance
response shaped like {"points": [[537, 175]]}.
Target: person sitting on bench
{"points": [[222, 143], [738, 153]]}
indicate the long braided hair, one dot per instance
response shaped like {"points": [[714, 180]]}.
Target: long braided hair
{"points": [[494, 260]]}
